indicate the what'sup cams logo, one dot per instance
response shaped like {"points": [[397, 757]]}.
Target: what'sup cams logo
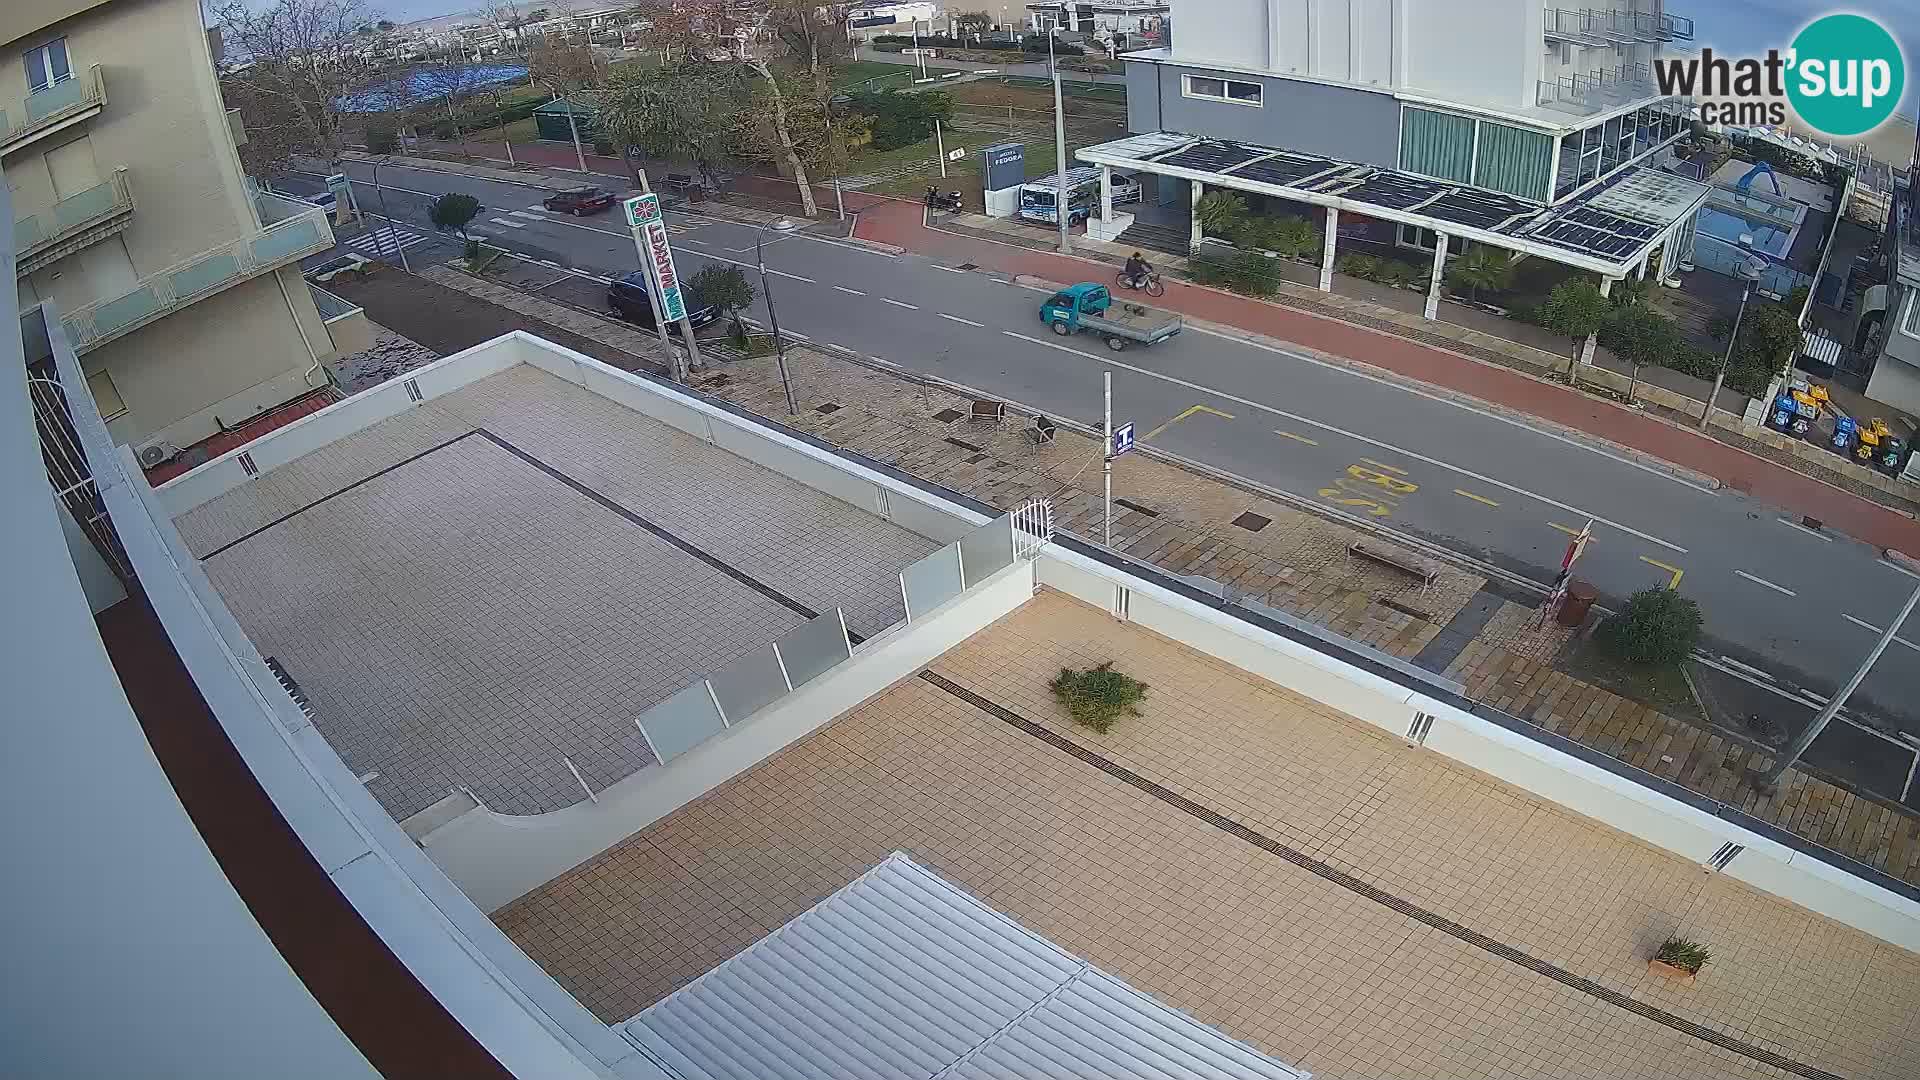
{"points": [[1843, 77]]}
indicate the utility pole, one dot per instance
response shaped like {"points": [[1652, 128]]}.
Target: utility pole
{"points": [[1766, 782], [1060, 207], [574, 130], [380, 194], [1106, 455], [1750, 272], [940, 147], [782, 226]]}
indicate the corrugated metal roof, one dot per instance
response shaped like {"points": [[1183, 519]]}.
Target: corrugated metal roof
{"points": [[901, 975]]}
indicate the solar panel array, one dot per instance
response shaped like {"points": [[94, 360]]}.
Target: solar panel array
{"points": [[1478, 209], [1213, 156], [1395, 191], [1285, 170]]}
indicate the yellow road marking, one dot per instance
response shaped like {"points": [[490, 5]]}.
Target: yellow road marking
{"points": [[1295, 438], [1674, 570], [1382, 465], [1475, 498], [1189, 412], [1570, 532]]}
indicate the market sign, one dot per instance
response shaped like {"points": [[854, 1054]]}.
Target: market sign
{"points": [[643, 214]]}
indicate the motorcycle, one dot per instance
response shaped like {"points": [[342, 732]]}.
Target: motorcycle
{"points": [[951, 201], [1149, 283]]}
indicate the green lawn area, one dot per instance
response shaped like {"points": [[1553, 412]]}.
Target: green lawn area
{"points": [[519, 131], [854, 75]]}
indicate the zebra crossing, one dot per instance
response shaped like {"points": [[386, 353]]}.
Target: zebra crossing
{"points": [[384, 241], [537, 212]]}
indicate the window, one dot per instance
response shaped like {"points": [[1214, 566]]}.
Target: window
{"points": [[1413, 236], [1232, 90], [1910, 318], [106, 395], [47, 65]]}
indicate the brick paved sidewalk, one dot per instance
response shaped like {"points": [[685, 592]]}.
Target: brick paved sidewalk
{"points": [[1298, 563], [1441, 362]]}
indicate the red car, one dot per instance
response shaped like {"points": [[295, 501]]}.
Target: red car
{"points": [[579, 201]]}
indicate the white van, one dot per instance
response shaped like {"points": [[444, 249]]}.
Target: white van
{"points": [[1038, 197]]}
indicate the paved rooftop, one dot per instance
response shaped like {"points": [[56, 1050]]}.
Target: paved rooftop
{"points": [[508, 575], [1281, 871]]}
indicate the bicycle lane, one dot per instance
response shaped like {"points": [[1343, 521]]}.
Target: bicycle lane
{"points": [[901, 224]]}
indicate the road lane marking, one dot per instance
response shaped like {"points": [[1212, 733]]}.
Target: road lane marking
{"points": [[1475, 498], [1796, 526], [899, 303], [1897, 568], [1557, 527], [1383, 381], [1870, 628], [507, 223], [1189, 411], [528, 214], [1037, 288], [1311, 422], [1295, 438], [1382, 465], [1672, 583], [844, 289], [958, 319], [883, 360], [695, 243], [948, 269], [1764, 581], [1748, 668]]}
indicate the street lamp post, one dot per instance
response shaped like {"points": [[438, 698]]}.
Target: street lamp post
{"points": [[783, 226], [1060, 208], [1750, 272], [381, 194], [1768, 780]]}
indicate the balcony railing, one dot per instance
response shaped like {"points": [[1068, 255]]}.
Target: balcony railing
{"points": [[83, 218], [1603, 28], [51, 109], [273, 208], [209, 272], [1590, 92]]}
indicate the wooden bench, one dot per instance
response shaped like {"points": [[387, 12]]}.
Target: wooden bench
{"points": [[1381, 555], [987, 412]]}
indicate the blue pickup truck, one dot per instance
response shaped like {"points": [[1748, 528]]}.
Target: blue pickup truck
{"points": [[1090, 307]]}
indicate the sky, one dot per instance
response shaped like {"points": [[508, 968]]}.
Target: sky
{"points": [[1751, 27]]}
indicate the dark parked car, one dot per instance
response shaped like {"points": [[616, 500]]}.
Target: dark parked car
{"points": [[627, 298], [579, 201]]}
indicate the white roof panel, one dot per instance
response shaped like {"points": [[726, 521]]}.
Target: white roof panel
{"points": [[901, 975]]}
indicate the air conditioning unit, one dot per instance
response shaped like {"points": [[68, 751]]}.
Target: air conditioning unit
{"points": [[158, 454]]}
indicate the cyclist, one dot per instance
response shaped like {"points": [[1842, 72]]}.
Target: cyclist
{"points": [[1137, 270]]}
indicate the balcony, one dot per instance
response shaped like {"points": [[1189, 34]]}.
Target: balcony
{"points": [[56, 108], [346, 322], [273, 209], [80, 219], [1601, 29], [287, 239], [1592, 92]]}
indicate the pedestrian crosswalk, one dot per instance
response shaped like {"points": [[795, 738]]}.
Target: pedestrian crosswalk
{"points": [[683, 224], [384, 241]]}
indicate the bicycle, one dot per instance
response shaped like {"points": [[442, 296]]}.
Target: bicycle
{"points": [[1153, 287]]}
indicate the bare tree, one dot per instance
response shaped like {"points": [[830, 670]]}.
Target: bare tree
{"points": [[298, 62]]}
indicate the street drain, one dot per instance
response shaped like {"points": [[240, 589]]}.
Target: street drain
{"points": [[1252, 522], [829, 407], [948, 416]]}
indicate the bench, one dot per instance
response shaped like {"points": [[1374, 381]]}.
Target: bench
{"points": [[987, 412], [1381, 555], [1043, 431]]}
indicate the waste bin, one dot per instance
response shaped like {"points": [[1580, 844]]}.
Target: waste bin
{"points": [[1580, 598]]}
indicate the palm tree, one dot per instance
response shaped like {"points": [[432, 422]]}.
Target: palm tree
{"points": [[1482, 267], [1578, 311]]}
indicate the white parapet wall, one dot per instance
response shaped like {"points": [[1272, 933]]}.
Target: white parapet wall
{"points": [[1511, 756]]}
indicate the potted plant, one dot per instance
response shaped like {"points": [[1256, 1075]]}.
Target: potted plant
{"points": [[1679, 959]]}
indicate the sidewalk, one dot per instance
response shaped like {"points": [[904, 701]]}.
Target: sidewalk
{"points": [[1337, 332]]}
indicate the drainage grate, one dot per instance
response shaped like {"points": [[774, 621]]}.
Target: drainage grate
{"points": [[829, 407], [1725, 855], [1137, 508], [1404, 609], [967, 446], [976, 459], [1418, 730], [1252, 522], [948, 416], [969, 266]]}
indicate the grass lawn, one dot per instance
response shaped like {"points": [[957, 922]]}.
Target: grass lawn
{"points": [[1663, 688], [520, 131]]}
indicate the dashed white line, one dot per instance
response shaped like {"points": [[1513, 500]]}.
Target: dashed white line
{"points": [[1897, 568], [1802, 528], [1309, 421], [507, 223], [844, 289], [899, 303], [958, 319], [882, 360], [1765, 582], [1870, 628], [695, 243], [528, 214], [1748, 668]]}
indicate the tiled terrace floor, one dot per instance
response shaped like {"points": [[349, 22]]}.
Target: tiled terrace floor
{"points": [[1284, 872], [459, 614]]}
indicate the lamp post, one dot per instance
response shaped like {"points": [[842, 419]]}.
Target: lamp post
{"points": [[1750, 272], [1060, 208], [783, 227], [380, 194]]}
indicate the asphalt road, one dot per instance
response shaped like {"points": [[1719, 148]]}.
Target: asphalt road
{"points": [[1800, 606]]}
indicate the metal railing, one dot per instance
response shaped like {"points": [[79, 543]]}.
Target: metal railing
{"points": [[1605, 27], [37, 236], [49, 107], [199, 276], [330, 306], [273, 208], [1589, 92]]}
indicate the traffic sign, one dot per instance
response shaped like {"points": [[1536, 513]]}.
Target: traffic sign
{"points": [[1122, 440], [956, 154]]}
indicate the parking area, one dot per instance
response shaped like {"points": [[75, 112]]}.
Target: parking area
{"points": [[487, 587]]}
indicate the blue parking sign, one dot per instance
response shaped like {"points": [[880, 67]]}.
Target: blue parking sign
{"points": [[1122, 440]]}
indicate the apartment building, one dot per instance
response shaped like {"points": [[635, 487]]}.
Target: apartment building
{"points": [[176, 281], [1505, 122]]}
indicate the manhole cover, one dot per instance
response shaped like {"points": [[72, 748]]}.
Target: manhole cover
{"points": [[827, 408], [969, 266], [1134, 506], [948, 416], [976, 459], [1252, 522], [966, 445]]}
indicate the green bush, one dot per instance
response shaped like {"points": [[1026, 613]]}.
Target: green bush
{"points": [[1398, 274], [1657, 627], [888, 46], [1098, 696], [381, 137], [1361, 266], [1689, 956], [1288, 237], [902, 119]]}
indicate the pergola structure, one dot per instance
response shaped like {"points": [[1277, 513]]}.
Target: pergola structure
{"points": [[1612, 231]]}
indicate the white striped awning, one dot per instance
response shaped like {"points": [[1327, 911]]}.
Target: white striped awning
{"points": [[1819, 347], [902, 976]]}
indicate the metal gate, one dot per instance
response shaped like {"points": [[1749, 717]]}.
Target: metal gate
{"points": [[68, 471]]}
